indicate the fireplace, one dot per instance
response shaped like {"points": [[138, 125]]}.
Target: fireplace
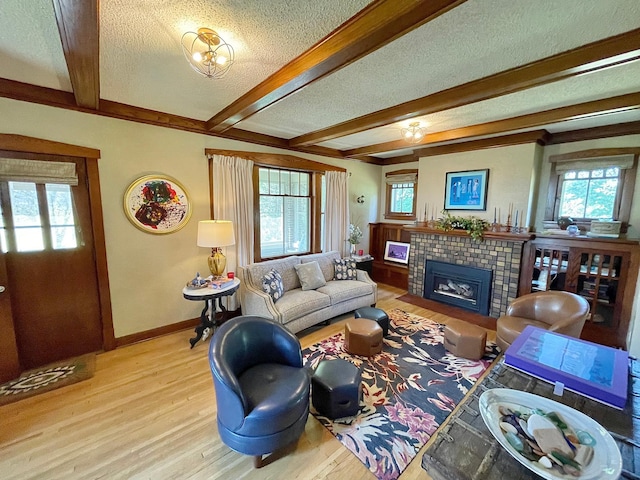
{"points": [[458, 285]]}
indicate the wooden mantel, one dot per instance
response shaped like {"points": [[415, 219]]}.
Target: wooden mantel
{"points": [[513, 237]]}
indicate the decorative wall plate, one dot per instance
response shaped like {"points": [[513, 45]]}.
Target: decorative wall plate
{"points": [[157, 204]]}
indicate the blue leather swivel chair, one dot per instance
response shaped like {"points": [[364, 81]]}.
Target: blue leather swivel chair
{"points": [[262, 389]]}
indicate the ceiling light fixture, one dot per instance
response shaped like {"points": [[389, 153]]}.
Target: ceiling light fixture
{"points": [[413, 133], [207, 53]]}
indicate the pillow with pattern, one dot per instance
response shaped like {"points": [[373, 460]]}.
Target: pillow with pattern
{"points": [[272, 284], [345, 269]]}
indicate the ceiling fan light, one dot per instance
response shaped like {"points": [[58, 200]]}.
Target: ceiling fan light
{"points": [[207, 53]]}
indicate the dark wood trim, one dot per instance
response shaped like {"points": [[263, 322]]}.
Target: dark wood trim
{"points": [[210, 170], [536, 136], [100, 253], [376, 25], [593, 153], [618, 130], [405, 171], [511, 237], [400, 159], [588, 58], [20, 143], [156, 332], [55, 98], [620, 103], [277, 160], [79, 29]]}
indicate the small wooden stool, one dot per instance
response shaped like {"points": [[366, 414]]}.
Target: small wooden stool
{"points": [[465, 340], [362, 337]]}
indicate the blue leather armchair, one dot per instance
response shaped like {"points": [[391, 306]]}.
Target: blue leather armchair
{"points": [[262, 389]]}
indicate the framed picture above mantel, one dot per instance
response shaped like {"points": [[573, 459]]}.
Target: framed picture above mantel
{"points": [[466, 190]]}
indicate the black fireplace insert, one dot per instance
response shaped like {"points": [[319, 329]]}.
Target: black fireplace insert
{"points": [[458, 285]]}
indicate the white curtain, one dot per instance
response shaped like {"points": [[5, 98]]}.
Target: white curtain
{"points": [[337, 212], [233, 200]]}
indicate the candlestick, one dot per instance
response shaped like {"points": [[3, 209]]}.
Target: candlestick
{"points": [[494, 214], [516, 224]]}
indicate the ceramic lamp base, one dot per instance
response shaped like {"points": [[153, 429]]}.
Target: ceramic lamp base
{"points": [[217, 262]]}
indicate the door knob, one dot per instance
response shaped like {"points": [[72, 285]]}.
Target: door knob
{"points": [[2, 289]]}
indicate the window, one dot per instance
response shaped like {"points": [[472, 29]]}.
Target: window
{"points": [[401, 195], [285, 212], [589, 194], [42, 217], [591, 185]]}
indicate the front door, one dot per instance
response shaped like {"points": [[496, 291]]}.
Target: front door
{"points": [[51, 273]]}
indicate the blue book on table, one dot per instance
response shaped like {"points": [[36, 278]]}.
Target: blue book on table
{"points": [[595, 371]]}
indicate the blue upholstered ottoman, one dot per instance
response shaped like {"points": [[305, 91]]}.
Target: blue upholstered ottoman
{"points": [[375, 314], [335, 389]]}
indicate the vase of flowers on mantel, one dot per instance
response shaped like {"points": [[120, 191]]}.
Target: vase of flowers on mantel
{"points": [[355, 236]]}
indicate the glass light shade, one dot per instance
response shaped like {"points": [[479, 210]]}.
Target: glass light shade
{"points": [[216, 234], [413, 133], [207, 53]]}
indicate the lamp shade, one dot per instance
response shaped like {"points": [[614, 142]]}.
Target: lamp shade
{"points": [[215, 233]]}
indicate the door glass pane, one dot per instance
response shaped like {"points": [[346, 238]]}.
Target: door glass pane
{"points": [[60, 205], [26, 216]]}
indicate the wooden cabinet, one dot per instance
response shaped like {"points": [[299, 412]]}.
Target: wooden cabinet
{"points": [[604, 271], [388, 272]]}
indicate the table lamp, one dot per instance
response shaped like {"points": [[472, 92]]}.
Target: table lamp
{"points": [[216, 234]]}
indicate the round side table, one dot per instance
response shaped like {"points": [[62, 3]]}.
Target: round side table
{"points": [[208, 320]]}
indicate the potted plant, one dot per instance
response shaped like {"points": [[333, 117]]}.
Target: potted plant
{"points": [[355, 235]]}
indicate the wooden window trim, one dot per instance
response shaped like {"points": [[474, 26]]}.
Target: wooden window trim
{"points": [[624, 195], [388, 214], [283, 162]]}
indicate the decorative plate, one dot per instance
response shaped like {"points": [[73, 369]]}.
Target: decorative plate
{"points": [[157, 204], [606, 462]]}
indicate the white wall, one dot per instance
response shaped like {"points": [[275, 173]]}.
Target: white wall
{"points": [[147, 272]]}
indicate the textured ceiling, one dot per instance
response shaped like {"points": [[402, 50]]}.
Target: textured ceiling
{"points": [[141, 62]]}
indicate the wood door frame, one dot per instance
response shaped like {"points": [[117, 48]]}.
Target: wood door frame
{"points": [[24, 144]]}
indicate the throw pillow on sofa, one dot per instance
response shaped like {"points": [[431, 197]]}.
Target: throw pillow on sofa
{"points": [[272, 284], [310, 275], [345, 269]]}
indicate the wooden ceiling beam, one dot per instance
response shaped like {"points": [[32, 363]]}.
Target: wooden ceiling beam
{"points": [[617, 130], [55, 98], [620, 103], [379, 23], [592, 57], [78, 24], [535, 136]]}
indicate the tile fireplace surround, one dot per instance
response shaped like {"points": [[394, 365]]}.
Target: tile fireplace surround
{"points": [[501, 254]]}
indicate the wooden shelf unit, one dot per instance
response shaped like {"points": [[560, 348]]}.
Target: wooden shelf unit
{"points": [[604, 271], [388, 272]]}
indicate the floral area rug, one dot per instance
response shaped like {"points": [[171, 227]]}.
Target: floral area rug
{"points": [[409, 390], [47, 378]]}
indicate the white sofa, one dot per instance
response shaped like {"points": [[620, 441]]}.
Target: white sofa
{"points": [[298, 309]]}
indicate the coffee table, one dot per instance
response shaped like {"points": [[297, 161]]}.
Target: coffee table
{"points": [[464, 449]]}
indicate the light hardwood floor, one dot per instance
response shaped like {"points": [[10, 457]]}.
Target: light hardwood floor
{"points": [[149, 413]]}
